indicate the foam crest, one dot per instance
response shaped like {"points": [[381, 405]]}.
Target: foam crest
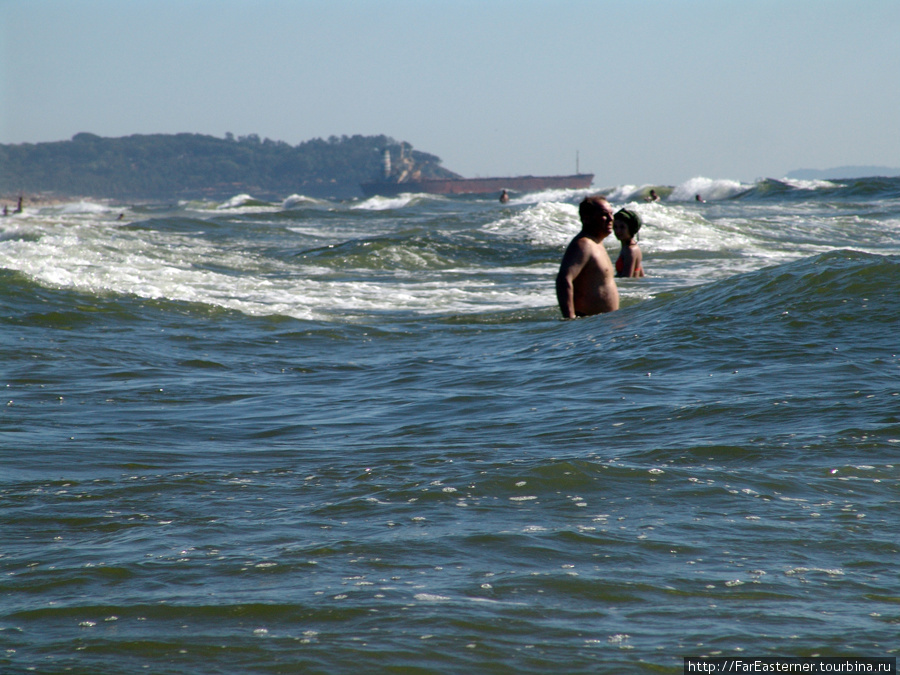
{"points": [[557, 195], [673, 228], [679, 243], [545, 224], [82, 207], [245, 203], [236, 201], [627, 193], [85, 207], [379, 203], [809, 184], [708, 188], [97, 257], [295, 201]]}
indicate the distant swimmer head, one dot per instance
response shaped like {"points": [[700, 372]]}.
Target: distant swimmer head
{"points": [[631, 220]]}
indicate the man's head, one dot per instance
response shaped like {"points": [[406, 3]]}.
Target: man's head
{"points": [[596, 214]]}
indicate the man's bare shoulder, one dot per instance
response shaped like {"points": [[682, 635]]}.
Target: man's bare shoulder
{"points": [[581, 242], [589, 247], [578, 246]]}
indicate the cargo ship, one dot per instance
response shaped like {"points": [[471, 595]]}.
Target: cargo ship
{"points": [[408, 179]]}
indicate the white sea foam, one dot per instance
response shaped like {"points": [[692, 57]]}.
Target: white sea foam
{"points": [[79, 208], [379, 203], [296, 200], [99, 257], [545, 224], [85, 207], [555, 195], [359, 264], [236, 201], [244, 204], [708, 188], [627, 193], [808, 184]]}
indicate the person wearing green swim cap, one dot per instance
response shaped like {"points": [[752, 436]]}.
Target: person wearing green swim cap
{"points": [[626, 224]]}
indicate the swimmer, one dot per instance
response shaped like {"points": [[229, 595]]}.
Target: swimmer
{"points": [[586, 281], [653, 197], [626, 225], [504, 197]]}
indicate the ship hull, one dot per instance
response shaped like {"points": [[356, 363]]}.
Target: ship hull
{"points": [[479, 186]]}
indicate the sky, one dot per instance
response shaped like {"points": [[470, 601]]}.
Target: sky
{"points": [[635, 91]]}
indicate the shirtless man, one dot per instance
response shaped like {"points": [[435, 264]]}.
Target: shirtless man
{"points": [[586, 281]]}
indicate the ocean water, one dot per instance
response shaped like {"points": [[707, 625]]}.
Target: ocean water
{"points": [[344, 437]]}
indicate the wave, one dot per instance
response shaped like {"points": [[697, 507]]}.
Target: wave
{"points": [[633, 193], [557, 195], [431, 255], [548, 224], [717, 189], [823, 323], [791, 189], [299, 201], [25, 302], [841, 286], [243, 201], [173, 224], [84, 207], [800, 184], [708, 189], [379, 203]]}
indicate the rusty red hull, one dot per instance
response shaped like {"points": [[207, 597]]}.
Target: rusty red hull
{"points": [[477, 186]]}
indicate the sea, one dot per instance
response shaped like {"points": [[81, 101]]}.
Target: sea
{"points": [[312, 436]]}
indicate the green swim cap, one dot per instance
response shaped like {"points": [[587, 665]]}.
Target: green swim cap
{"points": [[631, 219]]}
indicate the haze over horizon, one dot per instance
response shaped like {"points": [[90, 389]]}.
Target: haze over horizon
{"points": [[643, 92]]}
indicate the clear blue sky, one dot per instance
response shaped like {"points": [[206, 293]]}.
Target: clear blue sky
{"points": [[646, 91]]}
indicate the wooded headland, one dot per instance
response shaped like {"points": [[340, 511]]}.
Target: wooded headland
{"points": [[192, 166]]}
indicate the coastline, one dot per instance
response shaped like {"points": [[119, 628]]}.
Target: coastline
{"points": [[36, 199], [43, 199]]}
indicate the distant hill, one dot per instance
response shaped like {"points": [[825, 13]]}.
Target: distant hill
{"points": [[189, 166], [843, 172]]}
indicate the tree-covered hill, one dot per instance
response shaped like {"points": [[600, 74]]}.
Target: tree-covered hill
{"points": [[179, 166]]}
